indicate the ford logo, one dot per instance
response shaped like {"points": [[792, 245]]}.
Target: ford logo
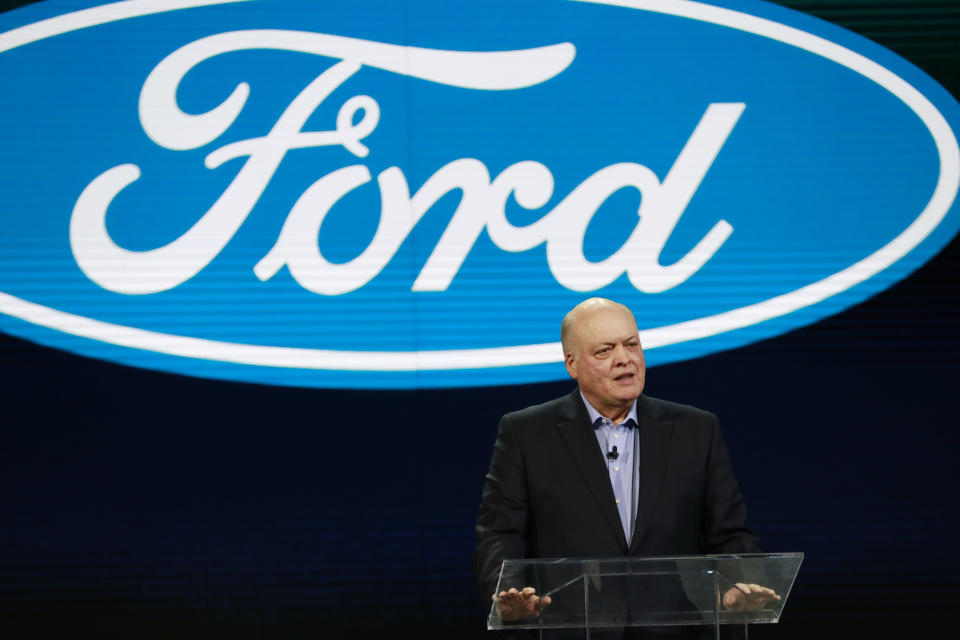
{"points": [[413, 194]]}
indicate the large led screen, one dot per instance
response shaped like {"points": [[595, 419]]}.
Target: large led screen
{"points": [[408, 194]]}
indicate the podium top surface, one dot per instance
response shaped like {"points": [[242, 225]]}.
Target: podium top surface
{"points": [[648, 591]]}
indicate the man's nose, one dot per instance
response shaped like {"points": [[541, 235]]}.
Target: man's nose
{"points": [[620, 355]]}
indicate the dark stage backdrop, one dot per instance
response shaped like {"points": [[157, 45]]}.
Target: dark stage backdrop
{"points": [[150, 505]]}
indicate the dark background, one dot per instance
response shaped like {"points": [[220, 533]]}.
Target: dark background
{"points": [[148, 505]]}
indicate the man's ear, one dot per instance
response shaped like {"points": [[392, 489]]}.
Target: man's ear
{"points": [[571, 363]]}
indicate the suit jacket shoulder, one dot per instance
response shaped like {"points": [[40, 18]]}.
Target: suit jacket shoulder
{"points": [[564, 405], [671, 411]]}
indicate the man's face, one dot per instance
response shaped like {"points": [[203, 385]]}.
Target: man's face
{"points": [[606, 359]]}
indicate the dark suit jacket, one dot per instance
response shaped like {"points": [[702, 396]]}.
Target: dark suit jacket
{"points": [[548, 493]]}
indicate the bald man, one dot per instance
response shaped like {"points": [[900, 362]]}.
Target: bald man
{"points": [[608, 472]]}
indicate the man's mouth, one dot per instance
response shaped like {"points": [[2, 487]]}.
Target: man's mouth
{"points": [[624, 376]]}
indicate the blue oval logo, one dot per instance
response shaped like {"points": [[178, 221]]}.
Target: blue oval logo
{"points": [[292, 194]]}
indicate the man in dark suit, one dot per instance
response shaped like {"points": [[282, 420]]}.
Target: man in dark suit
{"points": [[608, 472]]}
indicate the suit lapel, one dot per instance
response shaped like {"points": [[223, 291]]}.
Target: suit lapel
{"points": [[577, 433], [655, 436]]}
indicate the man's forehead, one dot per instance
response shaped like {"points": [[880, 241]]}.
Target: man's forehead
{"points": [[607, 324]]}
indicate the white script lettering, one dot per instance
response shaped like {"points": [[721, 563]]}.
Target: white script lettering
{"points": [[482, 204]]}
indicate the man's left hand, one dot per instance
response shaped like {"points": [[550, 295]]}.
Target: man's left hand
{"points": [[748, 597]]}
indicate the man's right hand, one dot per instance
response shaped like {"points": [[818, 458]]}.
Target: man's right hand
{"points": [[517, 605]]}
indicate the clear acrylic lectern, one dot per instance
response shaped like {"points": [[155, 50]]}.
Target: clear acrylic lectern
{"points": [[589, 595]]}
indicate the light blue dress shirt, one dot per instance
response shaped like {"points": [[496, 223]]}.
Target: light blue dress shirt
{"points": [[624, 477]]}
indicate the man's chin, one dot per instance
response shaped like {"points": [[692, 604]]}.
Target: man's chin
{"points": [[627, 391]]}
